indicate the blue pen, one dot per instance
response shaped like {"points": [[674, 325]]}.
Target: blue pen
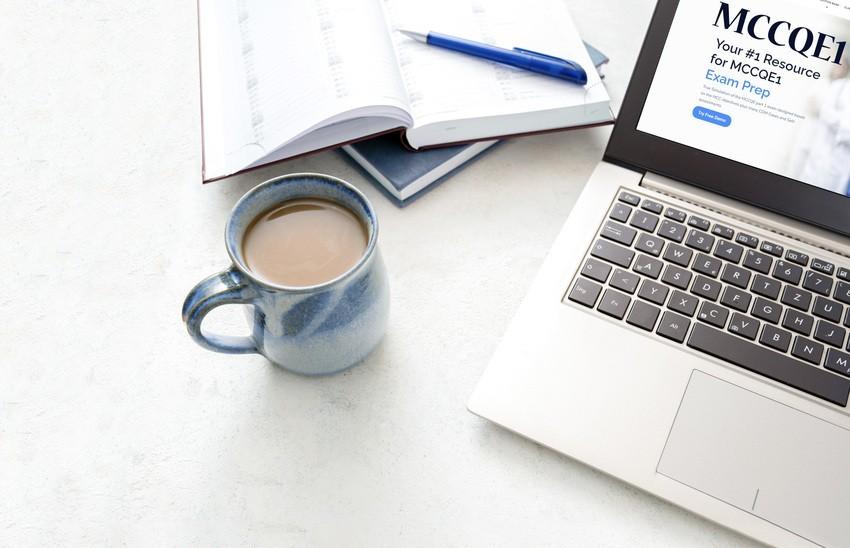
{"points": [[517, 57]]}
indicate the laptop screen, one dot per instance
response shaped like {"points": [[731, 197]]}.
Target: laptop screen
{"points": [[760, 82]]}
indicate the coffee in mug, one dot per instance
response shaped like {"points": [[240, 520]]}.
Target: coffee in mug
{"points": [[304, 242], [305, 260]]}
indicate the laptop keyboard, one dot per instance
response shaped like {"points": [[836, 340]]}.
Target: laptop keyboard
{"points": [[719, 290]]}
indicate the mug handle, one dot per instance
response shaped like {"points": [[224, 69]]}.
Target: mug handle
{"points": [[227, 287]]}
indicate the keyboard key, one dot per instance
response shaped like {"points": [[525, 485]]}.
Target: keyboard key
{"points": [[707, 265], [798, 322], [620, 212], [847, 320], [729, 251], [628, 198], [829, 333], [596, 270], [585, 292], [675, 214], [700, 223], [760, 360], [757, 261], [734, 298], [818, 283], [644, 221], [807, 350], [618, 233], [652, 207], [776, 338], [653, 292], [825, 308], [677, 277], [723, 231], [625, 281], [842, 292], [614, 303], [678, 255], [672, 231], [822, 266], [649, 244], [796, 257], [713, 314], [700, 240], [643, 315], [736, 276], [787, 272], [743, 326], [798, 298], [767, 310], [747, 240], [683, 303], [673, 326], [772, 249], [766, 287], [612, 253], [838, 362], [843, 274], [648, 266], [703, 287]]}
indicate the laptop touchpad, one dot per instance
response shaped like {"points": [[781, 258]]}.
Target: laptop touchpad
{"points": [[764, 457]]}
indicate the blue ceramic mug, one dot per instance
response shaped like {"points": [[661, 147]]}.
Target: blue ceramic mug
{"points": [[314, 330]]}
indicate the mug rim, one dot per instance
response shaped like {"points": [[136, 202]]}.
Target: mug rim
{"points": [[367, 253]]}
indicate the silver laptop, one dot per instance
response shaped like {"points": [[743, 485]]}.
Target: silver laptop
{"points": [[688, 332]]}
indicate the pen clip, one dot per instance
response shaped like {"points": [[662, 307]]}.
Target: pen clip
{"points": [[543, 55]]}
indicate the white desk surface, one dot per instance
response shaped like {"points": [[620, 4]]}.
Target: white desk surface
{"points": [[116, 429]]}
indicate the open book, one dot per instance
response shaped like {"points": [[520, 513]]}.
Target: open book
{"points": [[281, 79]]}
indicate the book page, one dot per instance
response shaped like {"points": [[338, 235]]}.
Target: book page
{"points": [[446, 85], [274, 71]]}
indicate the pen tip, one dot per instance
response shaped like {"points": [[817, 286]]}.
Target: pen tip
{"points": [[418, 36]]}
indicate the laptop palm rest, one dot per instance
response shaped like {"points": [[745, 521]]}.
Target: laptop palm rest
{"points": [[763, 457]]}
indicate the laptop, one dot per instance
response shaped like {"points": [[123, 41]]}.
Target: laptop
{"points": [[688, 332]]}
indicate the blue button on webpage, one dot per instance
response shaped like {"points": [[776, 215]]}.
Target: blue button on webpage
{"points": [[712, 116]]}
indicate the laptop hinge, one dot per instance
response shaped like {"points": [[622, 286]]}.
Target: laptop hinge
{"points": [[763, 219]]}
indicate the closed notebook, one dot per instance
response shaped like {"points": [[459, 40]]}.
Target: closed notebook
{"points": [[282, 79], [405, 175]]}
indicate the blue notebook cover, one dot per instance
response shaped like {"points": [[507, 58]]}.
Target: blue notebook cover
{"points": [[405, 175]]}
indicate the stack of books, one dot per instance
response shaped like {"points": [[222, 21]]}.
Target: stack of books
{"points": [[404, 174], [283, 79]]}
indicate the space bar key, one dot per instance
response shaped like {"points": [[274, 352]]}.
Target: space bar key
{"points": [[778, 367]]}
